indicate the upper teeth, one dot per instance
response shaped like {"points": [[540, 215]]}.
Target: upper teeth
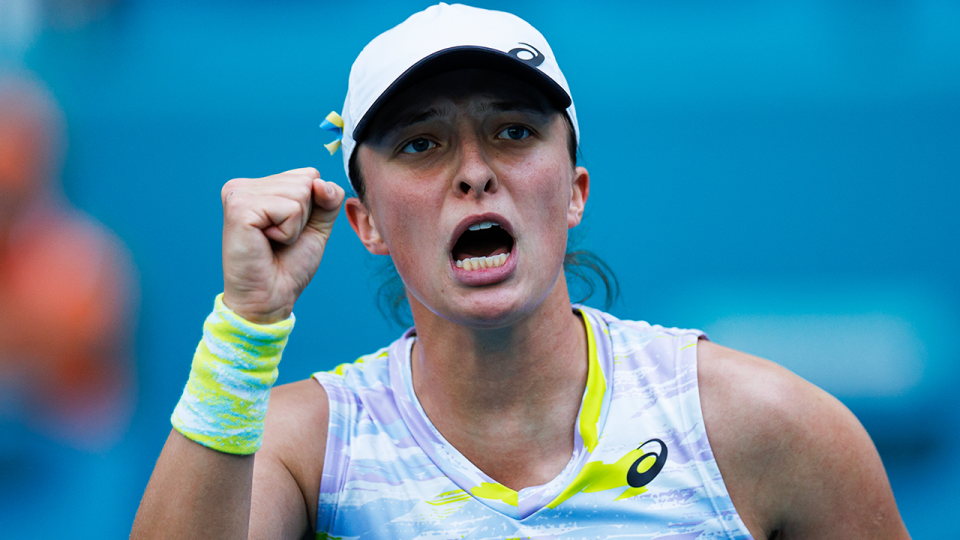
{"points": [[484, 225]]}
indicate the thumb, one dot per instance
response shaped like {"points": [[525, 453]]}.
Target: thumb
{"points": [[327, 199]]}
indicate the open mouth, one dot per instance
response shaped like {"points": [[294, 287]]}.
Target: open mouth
{"points": [[483, 245]]}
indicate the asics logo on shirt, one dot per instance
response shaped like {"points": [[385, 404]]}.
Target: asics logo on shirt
{"points": [[636, 478], [633, 471], [532, 58]]}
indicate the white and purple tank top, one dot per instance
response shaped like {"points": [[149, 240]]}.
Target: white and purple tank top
{"points": [[641, 468]]}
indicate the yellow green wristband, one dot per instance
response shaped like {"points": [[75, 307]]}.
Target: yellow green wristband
{"points": [[225, 401]]}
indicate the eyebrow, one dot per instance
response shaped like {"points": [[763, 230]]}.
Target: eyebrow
{"points": [[517, 106], [415, 116]]}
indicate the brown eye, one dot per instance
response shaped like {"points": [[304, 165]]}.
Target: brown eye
{"points": [[514, 133], [418, 145]]}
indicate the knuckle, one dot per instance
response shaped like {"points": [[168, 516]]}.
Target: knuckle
{"points": [[226, 189], [295, 209], [303, 192], [301, 174], [234, 202], [310, 172], [231, 186]]}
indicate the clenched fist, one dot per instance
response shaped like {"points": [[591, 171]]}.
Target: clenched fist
{"points": [[274, 233]]}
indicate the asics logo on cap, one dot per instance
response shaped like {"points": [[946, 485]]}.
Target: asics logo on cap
{"points": [[533, 58]]}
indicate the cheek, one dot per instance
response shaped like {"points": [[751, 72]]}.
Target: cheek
{"points": [[404, 215], [547, 194]]}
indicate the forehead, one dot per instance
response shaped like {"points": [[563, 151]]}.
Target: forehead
{"points": [[476, 91]]}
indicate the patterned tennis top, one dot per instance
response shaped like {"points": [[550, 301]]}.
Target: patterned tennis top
{"points": [[642, 466]]}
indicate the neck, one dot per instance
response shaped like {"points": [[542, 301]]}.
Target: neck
{"points": [[506, 397]]}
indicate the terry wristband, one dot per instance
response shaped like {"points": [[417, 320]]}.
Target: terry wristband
{"points": [[225, 401]]}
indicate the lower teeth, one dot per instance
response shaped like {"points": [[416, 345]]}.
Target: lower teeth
{"points": [[476, 263]]}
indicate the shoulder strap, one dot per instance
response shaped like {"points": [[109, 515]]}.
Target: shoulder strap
{"points": [[344, 408]]}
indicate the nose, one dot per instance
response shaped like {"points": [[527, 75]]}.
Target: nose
{"points": [[474, 175]]}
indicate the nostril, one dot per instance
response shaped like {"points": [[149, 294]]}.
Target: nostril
{"points": [[464, 187], [487, 186]]}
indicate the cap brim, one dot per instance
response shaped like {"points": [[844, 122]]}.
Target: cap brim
{"points": [[466, 57]]}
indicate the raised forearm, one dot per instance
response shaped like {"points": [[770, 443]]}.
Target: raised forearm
{"points": [[196, 492]]}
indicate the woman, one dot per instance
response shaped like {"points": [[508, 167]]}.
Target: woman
{"points": [[505, 412]]}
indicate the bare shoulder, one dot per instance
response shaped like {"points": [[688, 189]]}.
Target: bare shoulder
{"points": [[289, 465], [796, 462]]}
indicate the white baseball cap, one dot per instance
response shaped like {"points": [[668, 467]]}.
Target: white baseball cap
{"points": [[443, 38]]}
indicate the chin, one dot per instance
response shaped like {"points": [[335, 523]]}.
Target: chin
{"points": [[491, 309], [506, 301]]}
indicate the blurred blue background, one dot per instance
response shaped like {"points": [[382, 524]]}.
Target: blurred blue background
{"points": [[783, 174]]}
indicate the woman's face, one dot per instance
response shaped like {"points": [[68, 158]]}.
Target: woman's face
{"points": [[470, 149]]}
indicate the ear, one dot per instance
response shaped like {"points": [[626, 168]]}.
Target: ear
{"points": [[361, 220], [578, 197]]}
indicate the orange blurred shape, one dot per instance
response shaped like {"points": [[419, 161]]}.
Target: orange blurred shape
{"points": [[66, 287]]}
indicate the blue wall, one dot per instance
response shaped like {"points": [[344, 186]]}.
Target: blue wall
{"points": [[782, 174]]}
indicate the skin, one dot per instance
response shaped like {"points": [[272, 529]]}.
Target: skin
{"points": [[797, 464], [470, 337]]}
